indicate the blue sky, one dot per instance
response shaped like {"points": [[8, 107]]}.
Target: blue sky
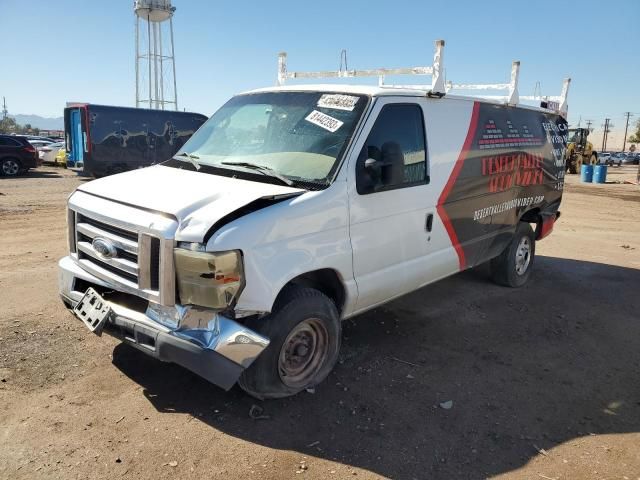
{"points": [[56, 51]]}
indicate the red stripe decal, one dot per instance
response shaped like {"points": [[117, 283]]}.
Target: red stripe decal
{"points": [[452, 179]]}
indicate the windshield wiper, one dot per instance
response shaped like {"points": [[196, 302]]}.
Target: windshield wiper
{"points": [[192, 158], [269, 172]]}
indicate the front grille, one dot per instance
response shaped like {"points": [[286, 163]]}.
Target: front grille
{"points": [[136, 256]]}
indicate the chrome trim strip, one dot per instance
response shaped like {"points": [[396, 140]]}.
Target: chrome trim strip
{"points": [[71, 230], [106, 276], [167, 272], [119, 263], [144, 261], [119, 242]]}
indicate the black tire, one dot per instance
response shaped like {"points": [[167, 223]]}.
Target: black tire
{"points": [[298, 313], [512, 268], [10, 167]]}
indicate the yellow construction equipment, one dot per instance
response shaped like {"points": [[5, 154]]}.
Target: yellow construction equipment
{"points": [[579, 150]]}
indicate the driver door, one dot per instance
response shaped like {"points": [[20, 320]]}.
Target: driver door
{"points": [[389, 208]]}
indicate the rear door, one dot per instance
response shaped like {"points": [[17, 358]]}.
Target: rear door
{"points": [[78, 138], [389, 205]]}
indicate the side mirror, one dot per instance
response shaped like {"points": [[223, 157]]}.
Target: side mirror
{"points": [[373, 167], [371, 163]]}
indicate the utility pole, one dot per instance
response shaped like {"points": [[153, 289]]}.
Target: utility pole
{"points": [[605, 133], [5, 112], [624, 143], [589, 122]]}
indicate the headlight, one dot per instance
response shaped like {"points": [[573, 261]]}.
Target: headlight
{"points": [[207, 279]]}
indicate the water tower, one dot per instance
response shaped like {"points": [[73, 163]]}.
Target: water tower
{"points": [[155, 62]]}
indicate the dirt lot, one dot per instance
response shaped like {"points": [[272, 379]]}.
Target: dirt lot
{"points": [[544, 380]]}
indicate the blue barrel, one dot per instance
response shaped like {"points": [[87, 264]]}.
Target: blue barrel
{"points": [[586, 173], [600, 174]]}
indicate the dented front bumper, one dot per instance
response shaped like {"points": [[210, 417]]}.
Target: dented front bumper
{"points": [[211, 345]]}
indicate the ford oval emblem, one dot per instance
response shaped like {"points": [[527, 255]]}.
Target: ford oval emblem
{"points": [[104, 248]]}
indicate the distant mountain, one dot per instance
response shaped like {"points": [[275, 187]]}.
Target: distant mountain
{"points": [[42, 123]]}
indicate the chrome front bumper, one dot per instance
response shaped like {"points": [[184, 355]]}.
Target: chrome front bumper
{"points": [[210, 345]]}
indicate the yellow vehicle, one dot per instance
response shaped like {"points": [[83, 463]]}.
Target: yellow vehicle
{"points": [[579, 150], [61, 158]]}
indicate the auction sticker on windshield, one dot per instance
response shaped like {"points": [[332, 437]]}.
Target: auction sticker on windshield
{"points": [[325, 121], [338, 101]]}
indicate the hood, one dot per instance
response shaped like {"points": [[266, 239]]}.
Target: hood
{"points": [[196, 200]]}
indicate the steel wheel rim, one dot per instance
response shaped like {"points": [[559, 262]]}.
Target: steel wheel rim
{"points": [[10, 167], [303, 353], [523, 255]]}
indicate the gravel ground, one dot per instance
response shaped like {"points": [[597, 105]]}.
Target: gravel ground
{"points": [[542, 382]]}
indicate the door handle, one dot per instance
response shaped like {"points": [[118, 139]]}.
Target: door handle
{"points": [[429, 223]]}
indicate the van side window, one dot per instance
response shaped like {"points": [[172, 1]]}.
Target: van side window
{"points": [[394, 155]]}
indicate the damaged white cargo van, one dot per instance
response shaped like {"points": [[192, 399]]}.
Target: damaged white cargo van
{"points": [[295, 207]]}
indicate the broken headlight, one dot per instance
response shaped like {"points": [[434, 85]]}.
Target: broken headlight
{"points": [[209, 279]]}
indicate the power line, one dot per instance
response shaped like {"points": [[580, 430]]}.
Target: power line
{"points": [[626, 127], [605, 134]]}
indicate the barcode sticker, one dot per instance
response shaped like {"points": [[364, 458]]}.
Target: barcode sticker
{"points": [[337, 101], [325, 121]]}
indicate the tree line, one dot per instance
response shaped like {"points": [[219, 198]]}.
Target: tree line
{"points": [[9, 125]]}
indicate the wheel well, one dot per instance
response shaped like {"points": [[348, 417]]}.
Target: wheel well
{"points": [[325, 280], [531, 216]]}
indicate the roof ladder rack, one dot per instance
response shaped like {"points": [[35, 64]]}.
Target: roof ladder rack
{"points": [[435, 71], [438, 85]]}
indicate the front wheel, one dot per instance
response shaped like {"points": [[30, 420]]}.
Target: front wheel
{"points": [[513, 266], [305, 332]]}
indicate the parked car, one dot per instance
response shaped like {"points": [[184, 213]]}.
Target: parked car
{"points": [[617, 158], [631, 159], [604, 158], [48, 153], [61, 158], [34, 138], [17, 156]]}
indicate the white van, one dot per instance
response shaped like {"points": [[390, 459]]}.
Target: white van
{"points": [[295, 207]]}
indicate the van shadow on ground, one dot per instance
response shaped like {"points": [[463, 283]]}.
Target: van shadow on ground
{"points": [[550, 362]]}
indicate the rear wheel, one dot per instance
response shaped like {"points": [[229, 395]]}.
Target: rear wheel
{"points": [[304, 331], [10, 167], [513, 266]]}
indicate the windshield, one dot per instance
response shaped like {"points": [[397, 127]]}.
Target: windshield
{"points": [[298, 135]]}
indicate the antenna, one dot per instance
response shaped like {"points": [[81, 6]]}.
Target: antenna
{"points": [[537, 90], [154, 59]]}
